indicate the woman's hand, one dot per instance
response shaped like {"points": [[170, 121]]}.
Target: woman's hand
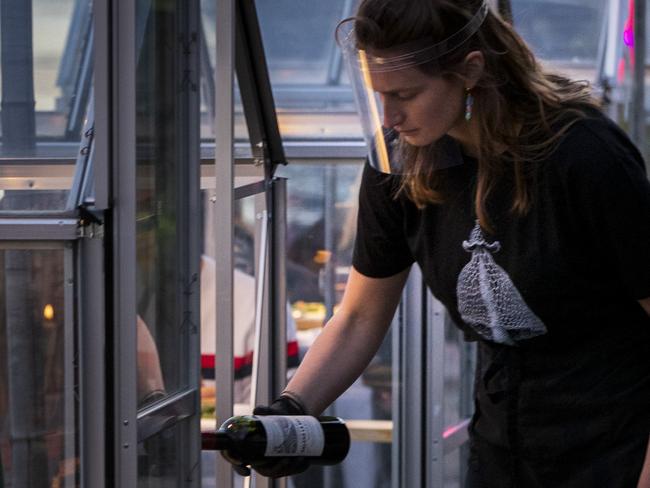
{"points": [[645, 303]]}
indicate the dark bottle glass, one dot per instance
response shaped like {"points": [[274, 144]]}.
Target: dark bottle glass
{"points": [[251, 439]]}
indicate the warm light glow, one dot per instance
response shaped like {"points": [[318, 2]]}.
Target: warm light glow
{"points": [[322, 256], [48, 312]]}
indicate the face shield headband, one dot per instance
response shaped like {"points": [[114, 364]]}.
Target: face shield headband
{"points": [[360, 65]]}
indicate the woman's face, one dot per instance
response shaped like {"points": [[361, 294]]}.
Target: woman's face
{"points": [[421, 108]]}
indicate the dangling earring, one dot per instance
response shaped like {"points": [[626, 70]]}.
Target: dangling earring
{"points": [[469, 102]]}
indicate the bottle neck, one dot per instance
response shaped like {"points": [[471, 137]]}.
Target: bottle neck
{"points": [[215, 441]]}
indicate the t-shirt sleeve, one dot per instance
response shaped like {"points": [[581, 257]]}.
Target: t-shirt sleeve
{"points": [[380, 248], [615, 204]]}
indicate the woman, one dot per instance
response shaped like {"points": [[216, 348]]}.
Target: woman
{"points": [[529, 214]]}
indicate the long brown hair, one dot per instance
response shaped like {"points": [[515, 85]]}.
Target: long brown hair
{"points": [[522, 110]]}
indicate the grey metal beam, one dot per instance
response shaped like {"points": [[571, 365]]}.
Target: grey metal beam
{"points": [[191, 205], [255, 87], [278, 289], [39, 229], [317, 150], [329, 193], [71, 349], [223, 228], [409, 418], [122, 232], [260, 375], [47, 149], [102, 100], [278, 295], [434, 405], [77, 115], [91, 308], [249, 190], [82, 165]]}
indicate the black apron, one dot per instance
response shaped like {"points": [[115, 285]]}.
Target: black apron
{"points": [[560, 417]]}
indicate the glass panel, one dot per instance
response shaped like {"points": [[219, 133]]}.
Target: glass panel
{"points": [[38, 401], [565, 34], [159, 459], [208, 62], [321, 218], [43, 47], [162, 335], [246, 249], [37, 200], [46, 76], [299, 39], [311, 95]]}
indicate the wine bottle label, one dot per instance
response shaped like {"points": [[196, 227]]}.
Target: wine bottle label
{"points": [[292, 435]]}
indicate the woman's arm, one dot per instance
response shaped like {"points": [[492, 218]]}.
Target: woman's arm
{"points": [[644, 479], [645, 303], [349, 340]]}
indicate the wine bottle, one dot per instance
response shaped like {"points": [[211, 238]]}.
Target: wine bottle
{"points": [[253, 439]]}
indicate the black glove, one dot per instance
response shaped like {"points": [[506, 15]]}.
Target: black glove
{"points": [[282, 466], [283, 405], [237, 464]]}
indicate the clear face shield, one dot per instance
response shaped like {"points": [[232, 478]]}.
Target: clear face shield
{"points": [[384, 143]]}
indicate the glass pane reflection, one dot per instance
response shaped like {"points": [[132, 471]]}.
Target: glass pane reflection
{"points": [[244, 311], [162, 335], [43, 48], [38, 404], [159, 459], [312, 97], [560, 30]]}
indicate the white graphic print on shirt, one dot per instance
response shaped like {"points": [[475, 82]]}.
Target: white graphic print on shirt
{"points": [[488, 300]]}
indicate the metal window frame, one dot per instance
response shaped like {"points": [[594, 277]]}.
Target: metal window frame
{"points": [[255, 88], [224, 215], [409, 401], [84, 339], [20, 421], [24, 228], [119, 99], [435, 388], [71, 421], [130, 425], [91, 310], [419, 428]]}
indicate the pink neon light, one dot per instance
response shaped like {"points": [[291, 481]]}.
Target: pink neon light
{"points": [[628, 30], [628, 37]]}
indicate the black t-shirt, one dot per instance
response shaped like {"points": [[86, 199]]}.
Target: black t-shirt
{"points": [[564, 346]]}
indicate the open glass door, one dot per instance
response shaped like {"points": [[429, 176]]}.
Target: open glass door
{"points": [[166, 237]]}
